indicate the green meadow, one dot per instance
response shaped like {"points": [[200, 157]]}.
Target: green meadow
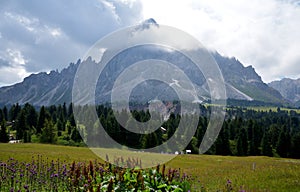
{"points": [[207, 172]]}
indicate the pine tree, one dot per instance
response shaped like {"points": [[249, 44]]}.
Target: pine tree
{"points": [[75, 135], [295, 148], [222, 142], [64, 111], [5, 113], [242, 143], [21, 125], [266, 148], [284, 142], [14, 112], [255, 139], [132, 139], [1, 114], [274, 134], [70, 110], [3, 133], [149, 140], [48, 132], [41, 120], [30, 115]]}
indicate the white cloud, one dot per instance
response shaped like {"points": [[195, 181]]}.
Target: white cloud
{"points": [[40, 30], [264, 34], [14, 70], [55, 32], [15, 57], [22, 20], [51, 34], [10, 75], [112, 8]]}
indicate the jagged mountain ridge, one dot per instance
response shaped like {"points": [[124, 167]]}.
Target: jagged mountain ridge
{"points": [[246, 81], [289, 89], [41, 89], [242, 83]]}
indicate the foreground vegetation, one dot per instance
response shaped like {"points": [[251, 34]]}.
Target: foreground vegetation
{"points": [[206, 172], [40, 175]]}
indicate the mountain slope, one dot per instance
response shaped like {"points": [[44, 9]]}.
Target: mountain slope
{"points": [[241, 82], [41, 89], [289, 89], [246, 81]]}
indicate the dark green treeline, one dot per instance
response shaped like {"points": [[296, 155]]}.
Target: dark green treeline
{"points": [[245, 132]]}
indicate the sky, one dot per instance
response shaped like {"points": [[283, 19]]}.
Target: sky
{"points": [[38, 36]]}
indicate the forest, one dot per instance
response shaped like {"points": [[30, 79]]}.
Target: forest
{"points": [[245, 131]]}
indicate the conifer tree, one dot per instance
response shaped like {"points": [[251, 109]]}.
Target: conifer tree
{"points": [[3, 132], [48, 132], [266, 148], [284, 142], [242, 143], [21, 125], [295, 147], [41, 120]]}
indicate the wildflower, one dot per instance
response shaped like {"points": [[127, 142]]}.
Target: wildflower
{"points": [[26, 187], [241, 189], [184, 176], [53, 175]]}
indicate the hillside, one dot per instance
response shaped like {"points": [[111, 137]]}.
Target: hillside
{"points": [[242, 83], [289, 89]]}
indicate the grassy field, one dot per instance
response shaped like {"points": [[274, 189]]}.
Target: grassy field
{"points": [[209, 172]]}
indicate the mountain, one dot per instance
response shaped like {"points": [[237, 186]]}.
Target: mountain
{"points": [[242, 83], [42, 88], [289, 89]]}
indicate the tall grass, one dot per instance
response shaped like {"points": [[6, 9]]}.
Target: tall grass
{"points": [[207, 173], [42, 175]]}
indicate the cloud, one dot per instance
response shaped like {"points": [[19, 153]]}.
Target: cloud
{"points": [[51, 34], [16, 58], [264, 34], [12, 66]]}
